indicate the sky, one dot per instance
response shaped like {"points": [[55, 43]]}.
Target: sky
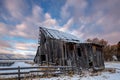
{"points": [[20, 21]]}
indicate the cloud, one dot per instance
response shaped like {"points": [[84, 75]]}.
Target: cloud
{"points": [[25, 29], [16, 9], [66, 26], [24, 52], [5, 51], [12, 47], [37, 11], [47, 16], [83, 18], [3, 29], [99, 18], [79, 31], [19, 30], [107, 20], [73, 9], [49, 21], [113, 37], [26, 46], [29, 27], [4, 44], [37, 15]]}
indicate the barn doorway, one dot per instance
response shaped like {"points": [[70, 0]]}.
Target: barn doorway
{"points": [[79, 52], [43, 58], [90, 63]]}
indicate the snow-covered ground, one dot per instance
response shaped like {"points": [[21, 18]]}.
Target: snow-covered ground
{"points": [[15, 65], [112, 65], [104, 75]]}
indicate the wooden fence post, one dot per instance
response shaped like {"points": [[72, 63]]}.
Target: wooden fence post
{"points": [[18, 72]]}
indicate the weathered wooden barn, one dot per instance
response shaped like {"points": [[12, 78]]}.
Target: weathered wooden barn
{"points": [[59, 48]]}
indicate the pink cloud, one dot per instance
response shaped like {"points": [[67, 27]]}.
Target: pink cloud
{"points": [[3, 29], [16, 8], [66, 26]]}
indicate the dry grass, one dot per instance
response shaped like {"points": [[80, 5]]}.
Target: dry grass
{"points": [[111, 70], [68, 73], [29, 62]]}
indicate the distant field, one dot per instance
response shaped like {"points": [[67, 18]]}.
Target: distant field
{"points": [[16, 63], [15, 60]]}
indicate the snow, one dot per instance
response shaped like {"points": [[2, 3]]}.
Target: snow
{"points": [[114, 58], [112, 65], [20, 64], [15, 65], [104, 75]]}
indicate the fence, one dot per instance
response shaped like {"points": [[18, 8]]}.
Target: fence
{"points": [[45, 70]]}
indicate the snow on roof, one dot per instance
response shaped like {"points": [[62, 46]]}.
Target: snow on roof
{"points": [[61, 35]]}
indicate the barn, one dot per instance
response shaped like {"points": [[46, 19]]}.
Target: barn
{"points": [[62, 49]]}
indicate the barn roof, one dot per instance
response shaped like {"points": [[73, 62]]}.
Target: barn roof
{"points": [[55, 34]]}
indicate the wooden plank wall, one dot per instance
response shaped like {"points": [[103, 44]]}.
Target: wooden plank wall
{"points": [[59, 52]]}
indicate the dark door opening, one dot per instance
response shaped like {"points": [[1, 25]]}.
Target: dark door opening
{"points": [[43, 58], [79, 52], [90, 64]]}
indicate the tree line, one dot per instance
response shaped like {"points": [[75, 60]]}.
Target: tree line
{"points": [[111, 52]]}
